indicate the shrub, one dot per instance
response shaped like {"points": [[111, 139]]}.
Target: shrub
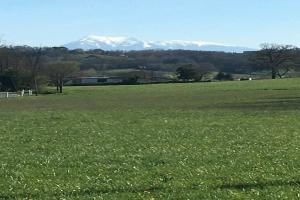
{"points": [[222, 76]]}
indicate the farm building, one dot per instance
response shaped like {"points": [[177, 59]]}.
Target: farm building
{"points": [[94, 80]]}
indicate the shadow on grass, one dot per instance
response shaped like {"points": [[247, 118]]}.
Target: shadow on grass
{"points": [[93, 191], [284, 98], [281, 104], [82, 192], [274, 89], [259, 185]]}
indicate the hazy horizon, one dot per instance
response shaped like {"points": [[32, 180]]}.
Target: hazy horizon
{"points": [[233, 22]]}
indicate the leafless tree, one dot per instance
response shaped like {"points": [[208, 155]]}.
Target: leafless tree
{"points": [[32, 61], [59, 70], [278, 58]]}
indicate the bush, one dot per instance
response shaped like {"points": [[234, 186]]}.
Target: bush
{"points": [[187, 73], [221, 76], [131, 80]]}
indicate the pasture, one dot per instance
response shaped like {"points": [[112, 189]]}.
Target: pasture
{"points": [[226, 140]]}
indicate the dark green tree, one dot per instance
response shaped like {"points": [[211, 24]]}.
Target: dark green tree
{"points": [[187, 73], [221, 76], [194, 72]]}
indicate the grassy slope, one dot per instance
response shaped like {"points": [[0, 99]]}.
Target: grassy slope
{"points": [[209, 140]]}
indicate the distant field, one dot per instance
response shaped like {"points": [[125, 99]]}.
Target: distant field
{"points": [[227, 140]]}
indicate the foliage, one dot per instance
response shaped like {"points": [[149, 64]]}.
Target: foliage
{"points": [[187, 73], [132, 80], [22, 66], [221, 76], [194, 72]]}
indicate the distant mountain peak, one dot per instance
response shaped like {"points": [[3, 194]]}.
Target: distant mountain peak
{"points": [[112, 43], [104, 39]]}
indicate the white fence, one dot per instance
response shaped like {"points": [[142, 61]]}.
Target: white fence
{"points": [[15, 94]]}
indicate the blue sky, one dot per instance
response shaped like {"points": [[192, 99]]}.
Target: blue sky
{"points": [[240, 22]]}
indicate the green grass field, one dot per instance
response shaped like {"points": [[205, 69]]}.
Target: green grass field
{"points": [[227, 140]]}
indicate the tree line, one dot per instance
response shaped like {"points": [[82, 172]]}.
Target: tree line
{"points": [[32, 68], [24, 67]]}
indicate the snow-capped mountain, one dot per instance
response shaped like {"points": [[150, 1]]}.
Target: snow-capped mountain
{"points": [[109, 43]]}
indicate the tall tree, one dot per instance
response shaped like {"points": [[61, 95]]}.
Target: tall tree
{"points": [[278, 58], [32, 61], [11, 71], [4, 55]]}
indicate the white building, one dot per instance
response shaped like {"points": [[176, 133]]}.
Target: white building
{"points": [[94, 80]]}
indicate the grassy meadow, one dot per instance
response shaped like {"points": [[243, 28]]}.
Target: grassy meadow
{"points": [[226, 140]]}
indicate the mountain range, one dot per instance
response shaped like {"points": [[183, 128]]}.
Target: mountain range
{"points": [[109, 43]]}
